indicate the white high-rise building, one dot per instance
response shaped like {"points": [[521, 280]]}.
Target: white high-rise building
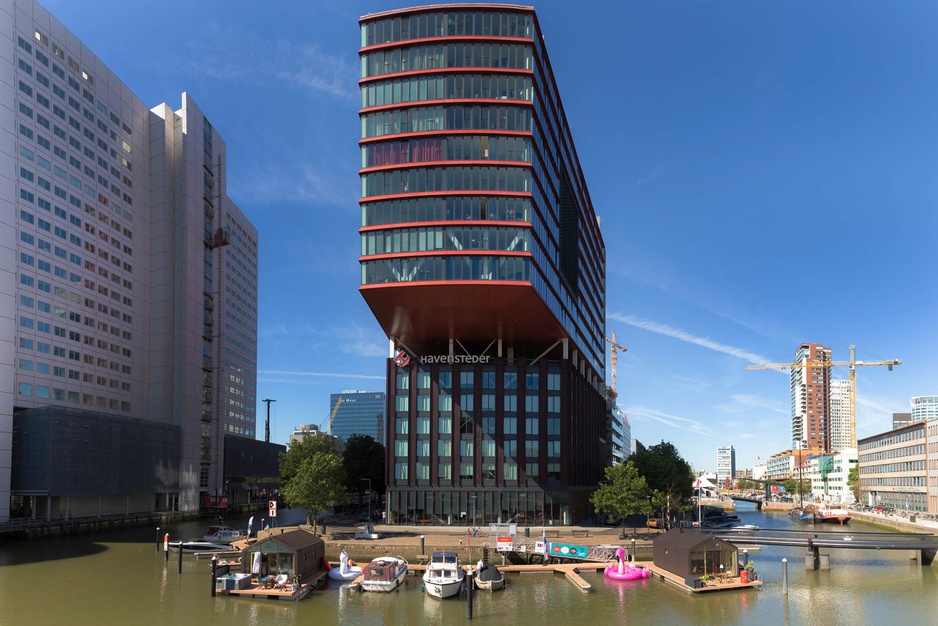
{"points": [[726, 465], [129, 290], [839, 415], [829, 475], [924, 408]]}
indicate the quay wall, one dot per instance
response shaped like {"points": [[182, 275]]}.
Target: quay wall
{"points": [[34, 529]]}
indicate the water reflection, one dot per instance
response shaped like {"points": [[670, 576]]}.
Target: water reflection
{"points": [[119, 578]]}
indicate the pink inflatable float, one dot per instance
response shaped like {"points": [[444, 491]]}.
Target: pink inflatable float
{"points": [[621, 571]]}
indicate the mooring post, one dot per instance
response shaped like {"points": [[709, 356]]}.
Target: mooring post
{"points": [[469, 577], [157, 538], [180, 557], [422, 546], [166, 547], [214, 573], [785, 577], [633, 549]]}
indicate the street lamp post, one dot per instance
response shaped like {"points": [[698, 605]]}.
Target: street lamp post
{"points": [[368, 495]]}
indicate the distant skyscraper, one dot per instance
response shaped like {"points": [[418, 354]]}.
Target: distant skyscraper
{"points": [[129, 288], [357, 413], [810, 399], [839, 415], [726, 464], [924, 408]]}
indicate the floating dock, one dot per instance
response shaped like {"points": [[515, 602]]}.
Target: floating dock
{"points": [[289, 592]]}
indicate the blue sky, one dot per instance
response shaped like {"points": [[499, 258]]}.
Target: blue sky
{"points": [[763, 172]]}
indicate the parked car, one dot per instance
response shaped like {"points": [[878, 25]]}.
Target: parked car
{"points": [[655, 522]]}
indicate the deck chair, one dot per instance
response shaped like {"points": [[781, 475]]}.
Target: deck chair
{"points": [[280, 582]]}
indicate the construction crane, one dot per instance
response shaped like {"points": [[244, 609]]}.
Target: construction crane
{"points": [[852, 364], [612, 359], [335, 410]]}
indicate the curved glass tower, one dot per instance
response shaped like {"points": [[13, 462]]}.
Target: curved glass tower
{"points": [[483, 262]]}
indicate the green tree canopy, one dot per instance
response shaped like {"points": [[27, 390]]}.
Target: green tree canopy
{"points": [[664, 470], [363, 461], [853, 482], [313, 476], [625, 493]]}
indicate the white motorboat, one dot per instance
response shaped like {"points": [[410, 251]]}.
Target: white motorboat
{"points": [[199, 546], [385, 573], [223, 534], [444, 576]]}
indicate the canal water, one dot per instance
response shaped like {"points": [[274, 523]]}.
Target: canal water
{"points": [[120, 578]]}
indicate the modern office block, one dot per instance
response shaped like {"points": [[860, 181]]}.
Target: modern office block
{"points": [[483, 262], [129, 287], [356, 412], [924, 408], [726, 464]]}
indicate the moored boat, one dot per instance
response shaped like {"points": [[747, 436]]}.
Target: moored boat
{"points": [[444, 576], [223, 534], [808, 514], [488, 577], [832, 515], [383, 574], [199, 546]]}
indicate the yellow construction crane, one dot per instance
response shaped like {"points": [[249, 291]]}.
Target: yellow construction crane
{"points": [[335, 410], [612, 359], [852, 364]]}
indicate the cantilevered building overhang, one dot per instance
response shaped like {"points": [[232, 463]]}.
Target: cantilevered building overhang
{"points": [[479, 241]]}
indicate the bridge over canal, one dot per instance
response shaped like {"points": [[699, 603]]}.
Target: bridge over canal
{"points": [[813, 541]]}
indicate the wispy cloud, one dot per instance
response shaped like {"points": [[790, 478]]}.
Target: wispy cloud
{"points": [[305, 182], [674, 421], [302, 374], [681, 335], [226, 53], [351, 339], [745, 403]]}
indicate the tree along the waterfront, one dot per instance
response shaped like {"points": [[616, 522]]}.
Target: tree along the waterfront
{"points": [[664, 470], [363, 460], [623, 494], [797, 488], [313, 476], [853, 482]]}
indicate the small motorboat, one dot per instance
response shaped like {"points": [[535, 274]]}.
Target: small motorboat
{"points": [[444, 576], [199, 546], [223, 534], [344, 571], [489, 577], [385, 573], [621, 571]]}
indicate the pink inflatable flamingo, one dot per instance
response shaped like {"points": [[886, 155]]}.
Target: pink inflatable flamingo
{"points": [[623, 572]]}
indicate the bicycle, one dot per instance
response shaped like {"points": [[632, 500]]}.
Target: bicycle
{"points": [[475, 531]]}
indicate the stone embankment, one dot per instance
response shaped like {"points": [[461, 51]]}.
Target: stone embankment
{"points": [[406, 541]]}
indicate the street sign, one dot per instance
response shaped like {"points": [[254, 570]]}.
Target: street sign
{"points": [[272, 505]]}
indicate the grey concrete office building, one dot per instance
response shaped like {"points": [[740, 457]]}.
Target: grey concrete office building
{"points": [[128, 289]]}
